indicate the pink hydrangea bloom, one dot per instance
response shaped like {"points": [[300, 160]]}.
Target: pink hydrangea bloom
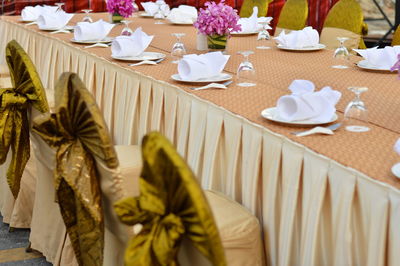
{"points": [[219, 19], [123, 7], [396, 66]]}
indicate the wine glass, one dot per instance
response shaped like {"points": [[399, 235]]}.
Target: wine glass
{"points": [[178, 49], [341, 54], [126, 30], [263, 35], [246, 74], [59, 6], [356, 113], [87, 17], [159, 16]]}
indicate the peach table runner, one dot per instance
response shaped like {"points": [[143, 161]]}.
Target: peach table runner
{"points": [[370, 152]]}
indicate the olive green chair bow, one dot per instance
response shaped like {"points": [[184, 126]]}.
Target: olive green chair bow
{"points": [[347, 15], [171, 205], [78, 133], [247, 8], [294, 15], [27, 90], [396, 37]]}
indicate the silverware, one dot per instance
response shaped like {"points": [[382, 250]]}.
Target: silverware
{"points": [[323, 130], [60, 31], [214, 86], [31, 23], [98, 44], [147, 62]]}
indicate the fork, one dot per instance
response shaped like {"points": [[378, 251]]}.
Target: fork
{"points": [[214, 85], [31, 23], [324, 130], [60, 31], [98, 44], [147, 62]]}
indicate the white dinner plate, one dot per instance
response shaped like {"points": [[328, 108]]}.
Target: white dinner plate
{"points": [[272, 115], [105, 40], [145, 15], [366, 66], [25, 21], [180, 23], [396, 170], [143, 56], [244, 33], [319, 46], [54, 29], [220, 78]]}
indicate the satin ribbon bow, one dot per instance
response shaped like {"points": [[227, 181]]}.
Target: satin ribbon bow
{"points": [[14, 124]]}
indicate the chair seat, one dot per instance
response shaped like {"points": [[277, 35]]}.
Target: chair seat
{"points": [[239, 230]]}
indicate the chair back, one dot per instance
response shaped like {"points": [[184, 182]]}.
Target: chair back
{"points": [[246, 9], [345, 19], [26, 91], [293, 16], [396, 37], [171, 206]]}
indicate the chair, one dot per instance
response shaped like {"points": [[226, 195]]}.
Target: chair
{"points": [[293, 16], [20, 93], [81, 228], [345, 19], [246, 9], [173, 208], [396, 37]]}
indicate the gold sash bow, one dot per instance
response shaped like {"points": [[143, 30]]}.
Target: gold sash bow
{"points": [[78, 132], [14, 124], [171, 204]]}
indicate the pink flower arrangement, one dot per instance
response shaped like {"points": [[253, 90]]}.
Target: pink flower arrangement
{"points": [[396, 66], [123, 7], [217, 19]]}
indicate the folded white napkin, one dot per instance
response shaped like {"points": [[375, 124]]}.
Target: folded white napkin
{"points": [[32, 13], [134, 45], [251, 24], [397, 147], [304, 103], [183, 14], [57, 20], [150, 8], [381, 58], [299, 38], [194, 67], [86, 31]]}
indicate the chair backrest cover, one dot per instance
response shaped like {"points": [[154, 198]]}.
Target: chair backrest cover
{"points": [[171, 205], [293, 15], [396, 37], [15, 102], [247, 8], [78, 132]]}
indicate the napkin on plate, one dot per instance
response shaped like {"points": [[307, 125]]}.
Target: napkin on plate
{"points": [[381, 58], [32, 13], [299, 38], [86, 31], [194, 67], [304, 103], [396, 147], [134, 45], [56, 21], [183, 14], [150, 8], [251, 24]]}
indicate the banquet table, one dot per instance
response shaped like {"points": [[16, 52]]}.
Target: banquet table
{"points": [[321, 200]]}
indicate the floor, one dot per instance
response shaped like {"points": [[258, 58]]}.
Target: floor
{"points": [[12, 248]]}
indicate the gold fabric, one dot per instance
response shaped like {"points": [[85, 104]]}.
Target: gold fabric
{"points": [[247, 8], [396, 37], [348, 15], [293, 15], [27, 90], [78, 132], [171, 205]]}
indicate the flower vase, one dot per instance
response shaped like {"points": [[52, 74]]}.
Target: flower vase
{"points": [[116, 18], [217, 42]]}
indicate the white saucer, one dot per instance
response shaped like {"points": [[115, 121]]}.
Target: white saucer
{"points": [[365, 65], [143, 56], [244, 33], [320, 46], [220, 78], [105, 40], [272, 115], [396, 170], [25, 21], [54, 29]]}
